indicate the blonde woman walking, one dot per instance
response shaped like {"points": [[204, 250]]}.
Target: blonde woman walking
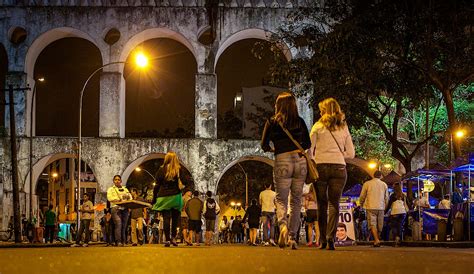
{"points": [[331, 144]]}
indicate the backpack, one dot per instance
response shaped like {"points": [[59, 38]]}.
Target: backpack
{"points": [[210, 209]]}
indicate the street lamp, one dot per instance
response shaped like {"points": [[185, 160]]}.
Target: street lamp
{"points": [[458, 135], [138, 169], [246, 186], [141, 61], [41, 79], [372, 165]]}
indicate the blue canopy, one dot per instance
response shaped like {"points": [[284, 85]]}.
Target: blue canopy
{"points": [[465, 168], [353, 191]]}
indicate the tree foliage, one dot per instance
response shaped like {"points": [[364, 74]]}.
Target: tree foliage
{"points": [[381, 59]]}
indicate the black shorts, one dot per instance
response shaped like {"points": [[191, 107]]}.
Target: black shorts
{"points": [[195, 225], [210, 225], [254, 224], [311, 215]]}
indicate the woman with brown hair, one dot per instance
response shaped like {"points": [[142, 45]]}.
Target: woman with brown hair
{"points": [[397, 205], [331, 144], [167, 196], [290, 168]]}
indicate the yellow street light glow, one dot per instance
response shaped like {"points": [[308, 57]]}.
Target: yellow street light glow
{"points": [[387, 166], [232, 203], [41, 79], [372, 165], [138, 169], [238, 204], [460, 133], [55, 175], [141, 60]]}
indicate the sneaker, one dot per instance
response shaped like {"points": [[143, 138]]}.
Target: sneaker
{"points": [[323, 246], [331, 245], [85, 245], [198, 244], [283, 237], [174, 243], [272, 242], [266, 243], [120, 245], [167, 244], [75, 245]]}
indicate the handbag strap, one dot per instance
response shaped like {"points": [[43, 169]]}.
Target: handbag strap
{"points": [[297, 144], [335, 141]]}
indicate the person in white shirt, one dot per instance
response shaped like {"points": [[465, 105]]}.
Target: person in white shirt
{"points": [[118, 193], [86, 209], [267, 201], [445, 203], [331, 144], [374, 198]]}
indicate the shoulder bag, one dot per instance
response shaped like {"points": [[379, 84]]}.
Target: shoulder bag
{"points": [[313, 173]]}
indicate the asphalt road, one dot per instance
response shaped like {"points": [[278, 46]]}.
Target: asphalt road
{"points": [[235, 259]]}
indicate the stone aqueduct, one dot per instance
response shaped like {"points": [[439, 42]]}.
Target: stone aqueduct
{"points": [[46, 21]]}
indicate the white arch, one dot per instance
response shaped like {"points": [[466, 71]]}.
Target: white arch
{"points": [[247, 34], [39, 166], [35, 49], [153, 33], [131, 167], [257, 158]]}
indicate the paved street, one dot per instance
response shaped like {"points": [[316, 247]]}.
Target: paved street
{"points": [[235, 259]]}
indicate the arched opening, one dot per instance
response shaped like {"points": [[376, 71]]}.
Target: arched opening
{"points": [[160, 101], [65, 65], [245, 95], [3, 74], [54, 179], [243, 178], [141, 174]]}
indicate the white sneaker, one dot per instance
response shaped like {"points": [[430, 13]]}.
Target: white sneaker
{"points": [[85, 245], [272, 242], [75, 245]]}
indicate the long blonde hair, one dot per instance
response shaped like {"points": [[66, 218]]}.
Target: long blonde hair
{"points": [[286, 111], [171, 166], [332, 116]]}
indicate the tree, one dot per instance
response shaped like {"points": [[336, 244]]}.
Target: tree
{"points": [[381, 59]]}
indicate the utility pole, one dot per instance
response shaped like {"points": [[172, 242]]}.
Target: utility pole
{"points": [[14, 163]]}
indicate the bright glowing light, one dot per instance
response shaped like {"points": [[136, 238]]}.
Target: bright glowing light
{"points": [[138, 169], [41, 79], [55, 175], [387, 166], [238, 204], [141, 60], [232, 203], [154, 184], [460, 133], [372, 165]]}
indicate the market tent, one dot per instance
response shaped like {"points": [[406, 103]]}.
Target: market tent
{"points": [[353, 191], [392, 178]]}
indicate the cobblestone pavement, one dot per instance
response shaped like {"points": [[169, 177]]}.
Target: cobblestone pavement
{"points": [[235, 259]]}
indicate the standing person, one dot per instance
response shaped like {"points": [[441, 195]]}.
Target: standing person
{"points": [[167, 196], [184, 218], [445, 203], [311, 208], [136, 220], [50, 224], [331, 144], [290, 168], [224, 230], [267, 201], [252, 217], [211, 210], [86, 210], [398, 207], [118, 193], [194, 209], [108, 227], [374, 198]]}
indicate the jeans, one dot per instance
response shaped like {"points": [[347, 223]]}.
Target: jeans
{"points": [[170, 223], [289, 175], [329, 187], [49, 233], [268, 224], [120, 217], [396, 225], [138, 222], [85, 223]]}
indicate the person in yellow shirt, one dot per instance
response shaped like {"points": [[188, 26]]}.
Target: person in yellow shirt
{"points": [[118, 193]]}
